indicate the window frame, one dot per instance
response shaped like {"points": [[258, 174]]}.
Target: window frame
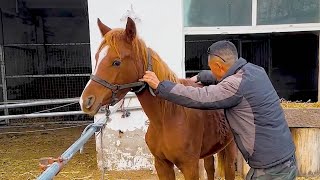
{"points": [[253, 28]]}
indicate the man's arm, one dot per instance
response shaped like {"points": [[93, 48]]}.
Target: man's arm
{"points": [[205, 77], [220, 96]]}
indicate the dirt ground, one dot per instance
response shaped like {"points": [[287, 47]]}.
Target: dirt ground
{"points": [[20, 155]]}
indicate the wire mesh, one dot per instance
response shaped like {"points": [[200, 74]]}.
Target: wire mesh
{"points": [[63, 73], [46, 52]]}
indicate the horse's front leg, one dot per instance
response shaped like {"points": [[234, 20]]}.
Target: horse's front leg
{"points": [[164, 169]]}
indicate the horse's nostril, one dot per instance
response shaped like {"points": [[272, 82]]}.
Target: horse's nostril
{"points": [[90, 101]]}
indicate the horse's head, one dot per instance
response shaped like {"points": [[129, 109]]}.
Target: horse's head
{"points": [[118, 62]]}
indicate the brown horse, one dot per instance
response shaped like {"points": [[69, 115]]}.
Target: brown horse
{"points": [[176, 135]]}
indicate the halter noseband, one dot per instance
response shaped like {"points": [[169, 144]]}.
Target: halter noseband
{"points": [[136, 87]]}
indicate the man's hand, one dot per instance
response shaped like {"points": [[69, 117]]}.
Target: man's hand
{"points": [[194, 78], [151, 78]]}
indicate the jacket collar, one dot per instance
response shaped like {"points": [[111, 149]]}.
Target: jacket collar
{"points": [[235, 68]]}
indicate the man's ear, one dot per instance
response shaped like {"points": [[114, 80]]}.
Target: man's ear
{"points": [[219, 64]]}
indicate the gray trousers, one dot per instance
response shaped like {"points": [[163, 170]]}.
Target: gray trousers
{"points": [[284, 171]]}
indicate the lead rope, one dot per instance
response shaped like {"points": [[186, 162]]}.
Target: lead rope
{"points": [[108, 119], [102, 155], [151, 91], [108, 112]]}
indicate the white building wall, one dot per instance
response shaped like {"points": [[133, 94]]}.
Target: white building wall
{"points": [[160, 27]]}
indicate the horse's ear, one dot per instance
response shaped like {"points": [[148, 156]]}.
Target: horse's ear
{"points": [[103, 28], [131, 30]]}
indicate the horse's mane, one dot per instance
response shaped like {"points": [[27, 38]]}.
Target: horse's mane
{"points": [[160, 68], [140, 49]]}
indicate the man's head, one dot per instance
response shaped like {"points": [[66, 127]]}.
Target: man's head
{"points": [[221, 56]]}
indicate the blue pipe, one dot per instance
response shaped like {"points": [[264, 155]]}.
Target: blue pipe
{"points": [[55, 167]]}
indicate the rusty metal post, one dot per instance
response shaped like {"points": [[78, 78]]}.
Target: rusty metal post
{"points": [[3, 69]]}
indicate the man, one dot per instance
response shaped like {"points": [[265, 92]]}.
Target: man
{"points": [[252, 108]]}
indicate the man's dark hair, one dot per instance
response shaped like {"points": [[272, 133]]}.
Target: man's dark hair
{"points": [[226, 50]]}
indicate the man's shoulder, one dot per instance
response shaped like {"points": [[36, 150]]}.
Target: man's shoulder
{"points": [[233, 80], [253, 67], [237, 77]]}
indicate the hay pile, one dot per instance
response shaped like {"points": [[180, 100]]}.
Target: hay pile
{"points": [[299, 104]]}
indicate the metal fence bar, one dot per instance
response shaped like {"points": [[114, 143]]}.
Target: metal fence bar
{"points": [[53, 114], [192, 71], [3, 68], [48, 102], [54, 168], [43, 62], [47, 75], [6, 118], [39, 103], [53, 44]]}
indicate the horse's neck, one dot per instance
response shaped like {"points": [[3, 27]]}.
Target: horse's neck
{"points": [[161, 69], [151, 106], [154, 107]]}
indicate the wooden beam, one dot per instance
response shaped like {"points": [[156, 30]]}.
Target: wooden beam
{"points": [[307, 145], [319, 66]]}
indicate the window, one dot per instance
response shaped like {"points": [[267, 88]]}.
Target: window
{"points": [[202, 13], [287, 12]]}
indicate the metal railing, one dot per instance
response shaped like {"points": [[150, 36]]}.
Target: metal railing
{"points": [[49, 114], [56, 167], [39, 103]]}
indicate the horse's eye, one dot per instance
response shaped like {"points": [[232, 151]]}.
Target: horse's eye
{"points": [[116, 63]]}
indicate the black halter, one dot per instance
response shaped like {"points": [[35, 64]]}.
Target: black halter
{"points": [[135, 87]]}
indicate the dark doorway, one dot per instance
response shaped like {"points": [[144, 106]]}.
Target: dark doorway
{"points": [[290, 59], [46, 50]]}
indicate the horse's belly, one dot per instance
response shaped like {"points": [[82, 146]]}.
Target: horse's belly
{"points": [[216, 135], [170, 145], [213, 150]]}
